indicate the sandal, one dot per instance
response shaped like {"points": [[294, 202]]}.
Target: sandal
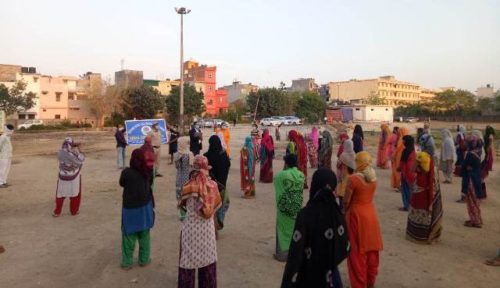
{"points": [[55, 215], [493, 262], [468, 223]]}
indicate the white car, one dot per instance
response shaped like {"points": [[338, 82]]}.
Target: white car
{"points": [[270, 122], [30, 123], [293, 120]]}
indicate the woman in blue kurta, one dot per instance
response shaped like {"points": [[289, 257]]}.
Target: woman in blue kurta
{"points": [[137, 210]]}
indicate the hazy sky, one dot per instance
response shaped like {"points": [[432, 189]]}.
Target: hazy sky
{"points": [[434, 43]]}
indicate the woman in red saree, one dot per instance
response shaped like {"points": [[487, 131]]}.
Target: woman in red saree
{"points": [[383, 147], [266, 157], [426, 211], [297, 146]]}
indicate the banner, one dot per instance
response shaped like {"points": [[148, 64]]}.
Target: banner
{"points": [[138, 129]]}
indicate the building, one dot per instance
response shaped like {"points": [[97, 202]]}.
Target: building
{"points": [[360, 113], [239, 91], [58, 98], [203, 77], [163, 86], [129, 78], [304, 84], [427, 94], [394, 91], [485, 91]]}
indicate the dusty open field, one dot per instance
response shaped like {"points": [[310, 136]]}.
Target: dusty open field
{"points": [[84, 250]]}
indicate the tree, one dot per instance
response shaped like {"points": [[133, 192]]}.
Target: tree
{"points": [[311, 107], [16, 99], [485, 105], [141, 103], [374, 99], [193, 103], [455, 102], [104, 99], [272, 101]]}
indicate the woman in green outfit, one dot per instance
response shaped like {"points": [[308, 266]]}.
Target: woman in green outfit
{"points": [[137, 210], [288, 189]]}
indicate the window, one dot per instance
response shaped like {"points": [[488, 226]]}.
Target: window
{"points": [[372, 109], [357, 109], [58, 96], [31, 116], [45, 92], [386, 109], [71, 96], [57, 116], [220, 99], [209, 75], [44, 110]]}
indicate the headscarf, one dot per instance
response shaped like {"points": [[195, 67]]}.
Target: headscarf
{"points": [[487, 133], [138, 163], [199, 185], [8, 129], [183, 149], [348, 157], [400, 146], [149, 153], [221, 138], [290, 160], [358, 130], [67, 144], [326, 143], [427, 144], [447, 147], [461, 129], [474, 143], [315, 137], [342, 137], [322, 178], [249, 146], [295, 137], [267, 140], [70, 162], [424, 161], [364, 166], [409, 144], [218, 159]]}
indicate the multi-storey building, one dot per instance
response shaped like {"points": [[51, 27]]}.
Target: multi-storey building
{"points": [[58, 98], [485, 91], [204, 77], [163, 86], [239, 91], [304, 84], [129, 78], [395, 92]]}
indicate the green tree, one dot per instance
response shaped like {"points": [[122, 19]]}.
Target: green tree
{"points": [[193, 103], [16, 99], [272, 102], [141, 103], [374, 99], [458, 102], [310, 106], [485, 105]]}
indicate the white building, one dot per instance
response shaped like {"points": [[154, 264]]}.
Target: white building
{"points": [[372, 113]]}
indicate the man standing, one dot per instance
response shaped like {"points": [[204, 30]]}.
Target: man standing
{"points": [[5, 154], [121, 145], [172, 143], [196, 138], [156, 142]]}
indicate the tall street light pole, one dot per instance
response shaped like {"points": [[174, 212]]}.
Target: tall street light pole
{"points": [[182, 11]]}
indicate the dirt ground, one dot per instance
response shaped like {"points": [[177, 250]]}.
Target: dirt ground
{"points": [[84, 250]]}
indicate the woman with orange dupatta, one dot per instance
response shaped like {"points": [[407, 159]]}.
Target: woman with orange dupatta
{"points": [[201, 199], [383, 147], [363, 225], [396, 159], [297, 146], [426, 211], [266, 156]]}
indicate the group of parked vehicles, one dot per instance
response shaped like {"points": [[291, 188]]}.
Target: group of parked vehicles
{"points": [[211, 123], [280, 120]]}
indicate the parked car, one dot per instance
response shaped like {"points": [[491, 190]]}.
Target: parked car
{"points": [[270, 122], [293, 120], [280, 120], [411, 119], [30, 123]]}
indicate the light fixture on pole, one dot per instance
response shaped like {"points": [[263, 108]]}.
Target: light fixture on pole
{"points": [[182, 11]]}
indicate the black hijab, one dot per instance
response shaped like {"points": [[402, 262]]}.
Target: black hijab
{"points": [[358, 130], [409, 144], [322, 178], [218, 159], [320, 242]]}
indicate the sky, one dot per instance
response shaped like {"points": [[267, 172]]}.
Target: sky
{"points": [[436, 43]]}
